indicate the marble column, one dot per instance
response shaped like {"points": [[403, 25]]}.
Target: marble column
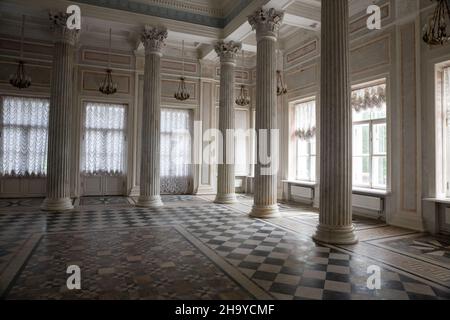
{"points": [[335, 224], [60, 122], [226, 170], [153, 40], [266, 24]]}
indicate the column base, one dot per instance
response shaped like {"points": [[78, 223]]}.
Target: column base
{"points": [[335, 235], [227, 198], [149, 201], [60, 204], [265, 212]]}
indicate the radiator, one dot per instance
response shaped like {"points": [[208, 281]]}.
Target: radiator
{"points": [[302, 192], [367, 202]]}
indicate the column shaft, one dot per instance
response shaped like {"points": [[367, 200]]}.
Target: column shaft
{"points": [[58, 161], [226, 170], [266, 23], [151, 120], [336, 128]]}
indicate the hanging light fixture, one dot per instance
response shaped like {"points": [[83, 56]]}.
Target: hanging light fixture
{"points": [[243, 99], [107, 86], [435, 33], [182, 94], [281, 87], [20, 79]]}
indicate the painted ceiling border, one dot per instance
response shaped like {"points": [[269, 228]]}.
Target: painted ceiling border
{"points": [[168, 13]]}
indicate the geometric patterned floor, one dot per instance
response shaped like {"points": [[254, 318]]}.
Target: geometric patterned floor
{"points": [[194, 249]]}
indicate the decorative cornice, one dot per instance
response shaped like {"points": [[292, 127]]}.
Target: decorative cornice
{"points": [[266, 22], [58, 24], [227, 51], [175, 10], [153, 39], [186, 5]]}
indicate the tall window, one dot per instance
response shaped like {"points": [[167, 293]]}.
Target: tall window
{"points": [[446, 104], [305, 140], [370, 136], [104, 139], [176, 175], [243, 137], [241, 143], [24, 136]]}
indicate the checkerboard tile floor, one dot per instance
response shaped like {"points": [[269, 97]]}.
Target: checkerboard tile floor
{"points": [[290, 266], [285, 264]]}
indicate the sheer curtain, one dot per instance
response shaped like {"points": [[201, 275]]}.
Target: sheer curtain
{"points": [[241, 123], [447, 91], [447, 108], [176, 175], [104, 139], [305, 131], [305, 120], [24, 128]]}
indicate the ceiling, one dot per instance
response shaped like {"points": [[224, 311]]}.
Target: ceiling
{"points": [[200, 23]]}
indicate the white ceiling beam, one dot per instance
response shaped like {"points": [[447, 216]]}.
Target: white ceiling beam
{"points": [[301, 22], [243, 30], [278, 4]]}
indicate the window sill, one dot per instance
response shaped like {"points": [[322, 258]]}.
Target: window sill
{"points": [[301, 183], [438, 200], [371, 192]]}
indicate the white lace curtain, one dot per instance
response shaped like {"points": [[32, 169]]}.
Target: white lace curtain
{"points": [[104, 139], [369, 98], [305, 120], [241, 123], [176, 175], [447, 92], [24, 128]]}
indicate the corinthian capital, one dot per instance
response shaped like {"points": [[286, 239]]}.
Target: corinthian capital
{"points": [[153, 39], [227, 51], [58, 24], [266, 22]]}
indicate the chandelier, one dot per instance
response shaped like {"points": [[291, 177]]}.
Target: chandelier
{"points": [[281, 86], [182, 94], [369, 98], [243, 99], [107, 86], [20, 79], [435, 33]]}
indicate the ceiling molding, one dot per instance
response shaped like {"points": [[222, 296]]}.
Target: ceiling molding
{"points": [[174, 10]]}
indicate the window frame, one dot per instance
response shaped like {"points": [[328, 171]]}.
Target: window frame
{"points": [[445, 130], [191, 121], [293, 147], [250, 149], [371, 122], [247, 143], [24, 96], [85, 103]]}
